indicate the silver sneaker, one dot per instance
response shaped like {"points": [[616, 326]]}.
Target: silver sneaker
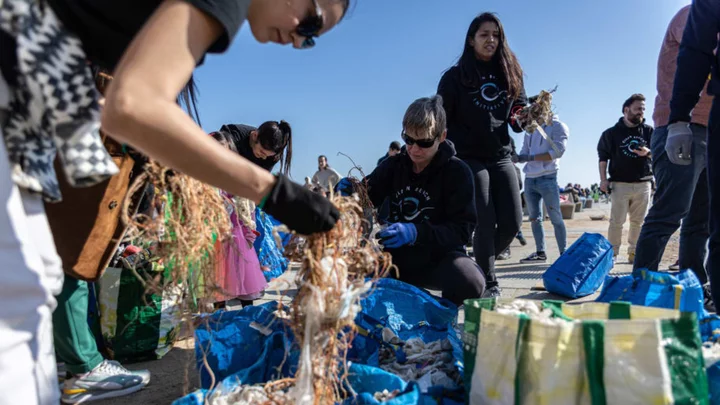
{"points": [[108, 380]]}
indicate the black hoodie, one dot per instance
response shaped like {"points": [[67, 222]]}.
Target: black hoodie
{"points": [[440, 201], [240, 134], [617, 144], [478, 118]]}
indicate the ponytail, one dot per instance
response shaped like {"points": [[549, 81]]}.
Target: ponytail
{"points": [[286, 161]]}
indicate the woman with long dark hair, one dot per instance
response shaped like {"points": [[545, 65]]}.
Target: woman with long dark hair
{"points": [[266, 145], [48, 106], [482, 93]]}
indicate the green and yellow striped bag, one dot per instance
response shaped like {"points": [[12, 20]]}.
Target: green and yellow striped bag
{"points": [[593, 353]]}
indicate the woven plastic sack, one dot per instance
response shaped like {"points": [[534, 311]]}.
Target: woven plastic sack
{"points": [[248, 345], [136, 325], [581, 270], [713, 373], [409, 312], [272, 261], [593, 354], [680, 290]]}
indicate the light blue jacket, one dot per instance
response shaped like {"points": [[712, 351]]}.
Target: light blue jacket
{"points": [[535, 144]]}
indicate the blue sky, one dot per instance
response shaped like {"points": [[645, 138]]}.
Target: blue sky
{"points": [[349, 93]]}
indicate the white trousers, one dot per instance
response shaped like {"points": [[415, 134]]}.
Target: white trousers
{"points": [[30, 276]]}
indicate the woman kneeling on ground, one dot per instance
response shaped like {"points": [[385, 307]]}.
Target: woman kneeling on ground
{"points": [[431, 199]]}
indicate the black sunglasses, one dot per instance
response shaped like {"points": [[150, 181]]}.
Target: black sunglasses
{"points": [[423, 143], [310, 27]]}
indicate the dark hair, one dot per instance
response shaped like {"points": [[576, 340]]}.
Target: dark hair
{"points": [[635, 97], [188, 99], [395, 145], [322, 156], [277, 137], [504, 58]]}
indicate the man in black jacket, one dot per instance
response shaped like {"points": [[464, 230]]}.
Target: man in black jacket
{"points": [[626, 146], [431, 202]]}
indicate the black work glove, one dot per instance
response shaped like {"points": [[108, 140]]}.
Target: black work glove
{"points": [[299, 208]]}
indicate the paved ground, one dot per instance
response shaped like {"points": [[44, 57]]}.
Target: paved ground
{"points": [[174, 375]]}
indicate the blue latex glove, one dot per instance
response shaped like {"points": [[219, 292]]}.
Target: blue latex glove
{"points": [[398, 234], [344, 187], [679, 143]]}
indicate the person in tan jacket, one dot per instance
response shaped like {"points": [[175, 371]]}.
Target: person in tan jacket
{"points": [[682, 189]]}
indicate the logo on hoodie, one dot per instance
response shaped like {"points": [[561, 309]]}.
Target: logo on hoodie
{"points": [[489, 97], [631, 143], [410, 204]]}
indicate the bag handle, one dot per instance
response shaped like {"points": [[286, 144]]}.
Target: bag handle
{"points": [[619, 310]]}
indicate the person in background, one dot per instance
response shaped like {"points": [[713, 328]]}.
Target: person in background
{"points": [[507, 254], [325, 178], [430, 196], [541, 154], [483, 92], [696, 60], [266, 145], [625, 146], [393, 150], [237, 270], [152, 48], [681, 195]]}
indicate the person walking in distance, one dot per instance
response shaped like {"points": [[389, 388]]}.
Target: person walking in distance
{"points": [[482, 94], [681, 186], [541, 152], [325, 177], [625, 145]]}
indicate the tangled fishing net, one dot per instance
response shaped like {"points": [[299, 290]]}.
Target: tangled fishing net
{"points": [[337, 269], [538, 113], [185, 219], [332, 281]]}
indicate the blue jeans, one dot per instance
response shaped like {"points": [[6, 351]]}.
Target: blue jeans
{"points": [[537, 190], [681, 195]]}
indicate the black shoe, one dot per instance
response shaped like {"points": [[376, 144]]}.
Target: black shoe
{"points": [[709, 303], [504, 255], [521, 239], [246, 303], [493, 292], [537, 257]]}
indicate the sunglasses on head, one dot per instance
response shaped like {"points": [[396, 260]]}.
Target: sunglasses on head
{"points": [[310, 27], [423, 143]]}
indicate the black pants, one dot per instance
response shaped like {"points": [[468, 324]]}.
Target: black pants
{"points": [[497, 201], [456, 275]]}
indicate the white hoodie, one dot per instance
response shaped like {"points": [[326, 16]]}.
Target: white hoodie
{"points": [[535, 144]]}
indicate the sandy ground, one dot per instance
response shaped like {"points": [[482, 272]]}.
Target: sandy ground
{"points": [[174, 375]]}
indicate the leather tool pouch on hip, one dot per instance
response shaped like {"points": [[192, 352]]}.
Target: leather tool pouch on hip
{"points": [[86, 224]]}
